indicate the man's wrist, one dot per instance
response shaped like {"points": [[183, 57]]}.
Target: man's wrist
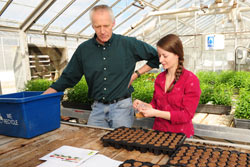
{"points": [[138, 74]]}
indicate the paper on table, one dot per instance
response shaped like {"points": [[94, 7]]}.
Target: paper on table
{"points": [[69, 155], [54, 163], [100, 160]]}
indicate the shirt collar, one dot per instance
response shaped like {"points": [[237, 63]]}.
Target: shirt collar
{"points": [[108, 43]]}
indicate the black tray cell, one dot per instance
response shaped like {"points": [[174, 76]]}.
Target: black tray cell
{"points": [[135, 163], [157, 150]]}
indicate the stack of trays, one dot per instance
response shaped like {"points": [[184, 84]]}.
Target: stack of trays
{"points": [[144, 140], [134, 163], [200, 156]]}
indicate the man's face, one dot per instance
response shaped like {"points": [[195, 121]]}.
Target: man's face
{"points": [[102, 23]]}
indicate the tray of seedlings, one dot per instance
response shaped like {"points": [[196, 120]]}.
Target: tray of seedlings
{"points": [[201, 156], [134, 163], [144, 140]]}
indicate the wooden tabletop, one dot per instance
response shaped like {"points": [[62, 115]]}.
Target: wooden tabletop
{"points": [[19, 152]]}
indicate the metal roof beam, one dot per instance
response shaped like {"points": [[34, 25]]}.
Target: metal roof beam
{"points": [[143, 20], [59, 34], [150, 5], [5, 7], [36, 14], [124, 10], [182, 22], [132, 15], [78, 17], [8, 28], [58, 14]]}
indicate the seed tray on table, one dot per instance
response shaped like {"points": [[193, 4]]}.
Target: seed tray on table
{"points": [[144, 140], [201, 156], [134, 163]]}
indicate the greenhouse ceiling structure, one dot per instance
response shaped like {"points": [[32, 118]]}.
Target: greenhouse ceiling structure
{"points": [[147, 19], [30, 25]]}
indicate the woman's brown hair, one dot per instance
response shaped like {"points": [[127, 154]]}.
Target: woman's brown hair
{"points": [[173, 44]]}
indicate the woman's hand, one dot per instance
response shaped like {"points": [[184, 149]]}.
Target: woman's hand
{"points": [[143, 107], [148, 111], [151, 112], [136, 104]]}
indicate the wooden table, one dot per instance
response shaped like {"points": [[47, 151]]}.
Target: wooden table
{"points": [[19, 152]]}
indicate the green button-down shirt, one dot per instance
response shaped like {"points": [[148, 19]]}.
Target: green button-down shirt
{"points": [[107, 68]]}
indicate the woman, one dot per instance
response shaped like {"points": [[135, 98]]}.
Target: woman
{"points": [[177, 91]]}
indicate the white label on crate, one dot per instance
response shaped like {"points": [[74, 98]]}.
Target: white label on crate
{"points": [[8, 121]]}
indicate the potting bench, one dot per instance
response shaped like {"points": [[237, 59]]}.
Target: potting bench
{"points": [[20, 152]]}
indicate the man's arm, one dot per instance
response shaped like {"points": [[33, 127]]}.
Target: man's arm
{"points": [[141, 71]]}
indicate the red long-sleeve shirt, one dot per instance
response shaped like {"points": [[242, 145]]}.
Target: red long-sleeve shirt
{"points": [[181, 102]]}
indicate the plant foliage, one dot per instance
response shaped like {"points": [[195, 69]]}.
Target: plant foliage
{"points": [[243, 105], [218, 87], [207, 92], [144, 87], [222, 95], [37, 85], [79, 93]]}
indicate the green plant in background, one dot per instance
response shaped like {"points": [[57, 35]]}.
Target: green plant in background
{"points": [[144, 87], [207, 77], [213, 87], [246, 83], [222, 95], [218, 87], [79, 93], [37, 85], [240, 79], [207, 91], [225, 77], [243, 105]]}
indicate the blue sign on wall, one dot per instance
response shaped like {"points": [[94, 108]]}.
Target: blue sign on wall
{"points": [[210, 41]]}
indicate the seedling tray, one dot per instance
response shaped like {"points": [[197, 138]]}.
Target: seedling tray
{"points": [[134, 163], [143, 140], [201, 156]]}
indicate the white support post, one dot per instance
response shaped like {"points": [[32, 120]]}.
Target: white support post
{"points": [[24, 53]]}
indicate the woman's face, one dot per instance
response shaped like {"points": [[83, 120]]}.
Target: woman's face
{"points": [[167, 59]]}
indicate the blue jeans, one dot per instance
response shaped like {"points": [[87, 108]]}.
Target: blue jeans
{"points": [[112, 115]]}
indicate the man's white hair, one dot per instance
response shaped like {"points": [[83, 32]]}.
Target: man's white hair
{"points": [[101, 7]]}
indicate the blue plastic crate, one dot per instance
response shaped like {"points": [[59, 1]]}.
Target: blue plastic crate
{"points": [[28, 114]]}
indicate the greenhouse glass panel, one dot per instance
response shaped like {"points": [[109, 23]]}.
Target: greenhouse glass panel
{"points": [[19, 10]]}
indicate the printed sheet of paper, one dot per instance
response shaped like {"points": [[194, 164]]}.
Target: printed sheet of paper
{"points": [[100, 160], [67, 155], [54, 163]]}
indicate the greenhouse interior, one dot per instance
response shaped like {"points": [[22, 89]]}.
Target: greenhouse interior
{"points": [[38, 40]]}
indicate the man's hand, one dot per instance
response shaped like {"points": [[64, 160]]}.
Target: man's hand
{"points": [[133, 77], [49, 90]]}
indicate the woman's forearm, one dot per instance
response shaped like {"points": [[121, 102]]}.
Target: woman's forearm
{"points": [[162, 114]]}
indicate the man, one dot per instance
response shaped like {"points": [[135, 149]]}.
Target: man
{"points": [[108, 61]]}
